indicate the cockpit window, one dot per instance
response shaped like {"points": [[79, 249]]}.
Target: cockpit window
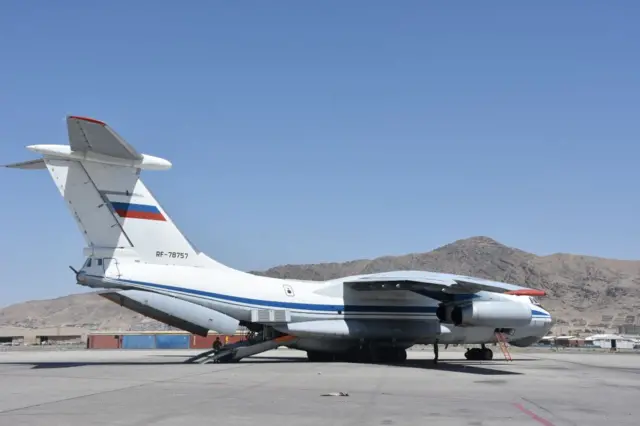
{"points": [[87, 264], [535, 301]]}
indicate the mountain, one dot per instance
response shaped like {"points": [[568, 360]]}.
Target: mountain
{"points": [[581, 289], [86, 310]]}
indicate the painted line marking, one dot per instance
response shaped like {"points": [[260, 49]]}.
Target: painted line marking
{"points": [[533, 415]]}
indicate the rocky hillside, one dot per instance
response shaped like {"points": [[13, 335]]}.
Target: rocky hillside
{"points": [[87, 310], [581, 289]]}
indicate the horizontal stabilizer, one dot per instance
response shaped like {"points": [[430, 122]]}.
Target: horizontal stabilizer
{"points": [[93, 141], [28, 165], [88, 134]]}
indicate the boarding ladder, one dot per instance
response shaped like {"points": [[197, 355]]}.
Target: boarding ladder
{"points": [[234, 352], [502, 342]]}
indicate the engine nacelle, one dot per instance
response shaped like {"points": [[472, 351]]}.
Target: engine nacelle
{"points": [[497, 314], [361, 329]]}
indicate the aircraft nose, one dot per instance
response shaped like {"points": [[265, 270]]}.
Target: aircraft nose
{"points": [[544, 320], [549, 323]]}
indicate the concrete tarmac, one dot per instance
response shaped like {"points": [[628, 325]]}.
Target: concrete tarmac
{"points": [[117, 387]]}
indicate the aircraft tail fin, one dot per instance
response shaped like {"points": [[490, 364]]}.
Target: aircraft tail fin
{"points": [[98, 175]]}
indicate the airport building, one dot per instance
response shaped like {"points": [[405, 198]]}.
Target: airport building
{"points": [[604, 341], [612, 341], [18, 336], [630, 329]]}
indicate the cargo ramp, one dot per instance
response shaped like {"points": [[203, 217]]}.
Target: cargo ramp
{"points": [[234, 352]]}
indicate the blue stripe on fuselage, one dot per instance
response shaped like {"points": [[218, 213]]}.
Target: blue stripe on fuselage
{"points": [[290, 305], [536, 313], [301, 306]]}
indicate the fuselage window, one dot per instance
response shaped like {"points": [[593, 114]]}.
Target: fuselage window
{"points": [[99, 262]]}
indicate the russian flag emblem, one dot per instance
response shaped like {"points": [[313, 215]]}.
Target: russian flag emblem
{"points": [[137, 211]]}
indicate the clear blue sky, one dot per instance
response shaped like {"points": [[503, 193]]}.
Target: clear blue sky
{"points": [[329, 130]]}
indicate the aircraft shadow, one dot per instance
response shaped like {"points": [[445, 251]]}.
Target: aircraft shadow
{"points": [[43, 365], [273, 359], [60, 364], [457, 366], [253, 359], [453, 365]]}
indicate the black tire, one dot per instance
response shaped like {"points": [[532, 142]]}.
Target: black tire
{"points": [[401, 356], [474, 354], [315, 356]]}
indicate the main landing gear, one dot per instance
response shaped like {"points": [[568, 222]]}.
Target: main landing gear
{"points": [[384, 355], [479, 354]]}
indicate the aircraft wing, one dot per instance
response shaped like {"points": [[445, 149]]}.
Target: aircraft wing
{"points": [[88, 134], [448, 286]]}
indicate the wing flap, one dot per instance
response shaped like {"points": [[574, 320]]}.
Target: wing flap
{"points": [[382, 284], [88, 134], [452, 286]]}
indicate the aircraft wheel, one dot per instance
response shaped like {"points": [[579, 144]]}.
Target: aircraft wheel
{"points": [[474, 354], [384, 356], [366, 356], [343, 357], [352, 356], [315, 356], [487, 354], [387, 356], [401, 355], [327, 357]]}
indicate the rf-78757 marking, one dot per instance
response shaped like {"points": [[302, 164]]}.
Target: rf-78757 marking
{"points": [[172, 254]]}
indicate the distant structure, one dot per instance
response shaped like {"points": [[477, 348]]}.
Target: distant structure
{"points": [[89, 338], [16, 336], [623, 323], [630, 329]]}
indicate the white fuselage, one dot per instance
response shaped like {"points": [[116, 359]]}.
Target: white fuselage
{"points": [[314, 309]]}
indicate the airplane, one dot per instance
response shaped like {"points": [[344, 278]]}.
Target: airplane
{"points": [[134, 248]]}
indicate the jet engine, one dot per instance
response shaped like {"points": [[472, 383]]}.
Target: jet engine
{"points": [[443, 312], [359, 329], [498, 314]]}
